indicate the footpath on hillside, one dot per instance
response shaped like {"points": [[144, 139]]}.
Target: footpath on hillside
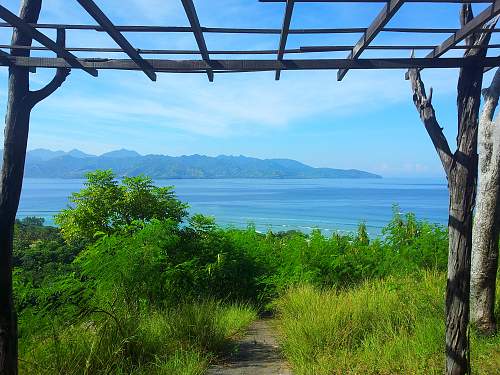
{"points": [[257, 353]]}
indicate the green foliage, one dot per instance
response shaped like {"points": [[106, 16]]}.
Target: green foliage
{"points": [[106, 205], [174, 341], [393, 326], [28, 232], [125, 286]]}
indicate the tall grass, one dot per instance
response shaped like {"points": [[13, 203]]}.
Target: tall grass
{"points": [[392, 326], [180, 341]]}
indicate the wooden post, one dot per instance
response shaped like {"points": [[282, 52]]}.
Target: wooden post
{"points": [[487, 216], [461, 171], [20, 102]]}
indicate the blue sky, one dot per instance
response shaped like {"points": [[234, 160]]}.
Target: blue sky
{"points": [[367, 121]]}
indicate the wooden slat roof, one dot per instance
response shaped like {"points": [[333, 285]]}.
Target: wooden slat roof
{"points": [[210, 66]]}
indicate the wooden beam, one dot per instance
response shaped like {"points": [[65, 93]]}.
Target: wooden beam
{"points": [[287, 18], [98, 15], [4, 56], [488, 68], [380, 1], [198, 34], [173, 66], [470, 27], [61, 40], [385, 15], [234, 30], [308, 49], [17, 22], [163, 51], [386, 47]]}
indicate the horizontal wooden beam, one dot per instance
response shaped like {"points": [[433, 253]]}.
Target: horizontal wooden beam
{"points": [[98, 15], [380, 1], [301, 50], [28, 30], [388, 47], [488, 68], [258, 65], [233, 30], [470, 27], [4, 56], [384, 16], [162, 51]]}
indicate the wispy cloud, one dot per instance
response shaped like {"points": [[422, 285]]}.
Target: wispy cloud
{"points": [[233, 105]]}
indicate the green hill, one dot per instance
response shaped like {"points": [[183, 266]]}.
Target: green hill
{"points": [[74, 164]]}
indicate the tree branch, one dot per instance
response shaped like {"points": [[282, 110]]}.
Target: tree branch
{"points": [[423, 104], [37, 96]]}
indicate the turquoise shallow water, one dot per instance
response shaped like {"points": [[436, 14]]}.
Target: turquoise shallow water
{"points": [[328, 204]]}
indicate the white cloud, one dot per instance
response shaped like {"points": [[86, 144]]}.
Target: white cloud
{"points": [[231, 105]]}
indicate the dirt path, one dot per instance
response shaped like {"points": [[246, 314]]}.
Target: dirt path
{"points": [[258, 354]]}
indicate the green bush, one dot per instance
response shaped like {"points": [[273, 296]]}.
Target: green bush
{"points": [[107, 205]]}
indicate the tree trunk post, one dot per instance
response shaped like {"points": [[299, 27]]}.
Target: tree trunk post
{"points": [[19, 105], [461, 171], [487, 216]]}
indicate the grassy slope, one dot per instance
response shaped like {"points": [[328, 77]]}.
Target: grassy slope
{"points": [[177, 342], [393, 326]]}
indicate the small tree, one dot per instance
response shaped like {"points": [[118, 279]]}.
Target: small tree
{"points": [[106, 205]]}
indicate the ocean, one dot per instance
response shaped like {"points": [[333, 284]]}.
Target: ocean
{"points": [[279, 205]]}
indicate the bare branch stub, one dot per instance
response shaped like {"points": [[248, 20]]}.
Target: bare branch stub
{"points": [[424, 106], [34, 97], [37, 96]]}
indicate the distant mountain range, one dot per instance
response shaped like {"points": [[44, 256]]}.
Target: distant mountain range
{"points": [[41, 163]]}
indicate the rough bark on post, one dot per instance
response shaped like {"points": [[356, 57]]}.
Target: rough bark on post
{"points": [[461, 171], [487, 216], [19, 105]]}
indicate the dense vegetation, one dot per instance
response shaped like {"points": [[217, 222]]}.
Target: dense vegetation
{"points": [[128, 283]]}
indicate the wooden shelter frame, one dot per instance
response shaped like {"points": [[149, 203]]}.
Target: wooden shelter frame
{"points": [[461, 166], [211, 66]]}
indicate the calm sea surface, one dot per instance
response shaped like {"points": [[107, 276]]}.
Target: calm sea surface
{"points": [[327, 204]]}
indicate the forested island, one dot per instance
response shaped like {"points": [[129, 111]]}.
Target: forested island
{"points": [[41, 163], [129, 283]]}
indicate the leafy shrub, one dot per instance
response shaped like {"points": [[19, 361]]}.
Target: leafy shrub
{"points": [[106, 205]]}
